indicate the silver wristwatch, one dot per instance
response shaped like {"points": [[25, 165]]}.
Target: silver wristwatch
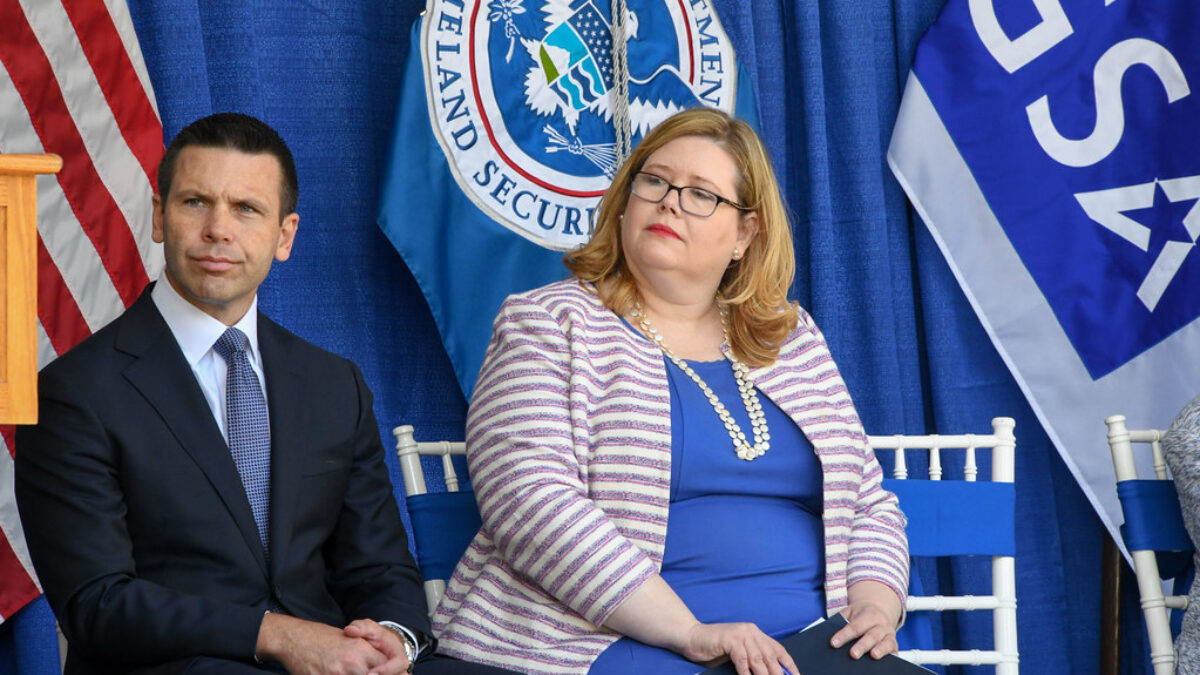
{"points": [[410, 644], [410, 649]]}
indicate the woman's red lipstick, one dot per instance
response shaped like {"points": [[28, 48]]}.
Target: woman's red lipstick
{"points": [[663, 230]]}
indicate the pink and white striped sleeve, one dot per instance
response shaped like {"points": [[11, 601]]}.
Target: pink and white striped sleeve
{"points": [[528, 466]]}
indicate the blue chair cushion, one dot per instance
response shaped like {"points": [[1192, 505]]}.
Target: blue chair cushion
{"points": [[1153, 517], [954, 517], [1154, 522], [443, 525]]}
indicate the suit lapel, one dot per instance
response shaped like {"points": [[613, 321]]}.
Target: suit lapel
{"points": [[162, 375], [285, 398]]}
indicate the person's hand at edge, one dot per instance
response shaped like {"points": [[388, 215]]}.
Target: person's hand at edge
{"points": [[311, 648], [872, 618], [386, 641]]}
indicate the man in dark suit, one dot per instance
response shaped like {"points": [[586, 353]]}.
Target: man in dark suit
{"points": [[205, 491]]}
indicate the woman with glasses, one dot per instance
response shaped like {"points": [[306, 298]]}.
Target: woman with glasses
{"points": [[668, 465]]}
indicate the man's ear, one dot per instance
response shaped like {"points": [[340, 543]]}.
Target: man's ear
{"points": [[287, 236], [156, 231]]}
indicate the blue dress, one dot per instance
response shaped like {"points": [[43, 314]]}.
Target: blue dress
{"points": [[745, 540]]}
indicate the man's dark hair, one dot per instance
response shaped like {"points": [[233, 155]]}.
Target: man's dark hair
{"points": [[233, 131]]}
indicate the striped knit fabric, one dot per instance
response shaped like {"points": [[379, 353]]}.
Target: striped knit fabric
{"points": [[1181, 448], [569, 448]]}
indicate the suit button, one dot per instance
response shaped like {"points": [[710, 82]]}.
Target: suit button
{"points": [[278, 593]]}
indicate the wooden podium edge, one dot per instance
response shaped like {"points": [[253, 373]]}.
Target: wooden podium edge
{"points": [[18, 270]]}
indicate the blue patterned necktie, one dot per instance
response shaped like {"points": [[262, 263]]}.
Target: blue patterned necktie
{"points": [[249, 429]]}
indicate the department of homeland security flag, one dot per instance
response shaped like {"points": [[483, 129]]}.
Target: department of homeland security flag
{"points": [[73, 83], [1052, 149], [504, 140]]}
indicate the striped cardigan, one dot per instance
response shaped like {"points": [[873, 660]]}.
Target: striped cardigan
{"points": [[569, 449]]}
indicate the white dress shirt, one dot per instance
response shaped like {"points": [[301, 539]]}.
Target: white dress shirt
{"points": [[196, 333]]}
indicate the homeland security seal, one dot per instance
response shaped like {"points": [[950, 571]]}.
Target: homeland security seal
{"points": [[519, 95]]}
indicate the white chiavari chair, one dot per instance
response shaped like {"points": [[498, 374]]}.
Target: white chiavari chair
{"points": [[443, 522], [973, 515], [1153, 525]]}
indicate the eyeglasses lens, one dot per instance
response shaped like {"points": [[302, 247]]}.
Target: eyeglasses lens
{"points": [[696, 201]]}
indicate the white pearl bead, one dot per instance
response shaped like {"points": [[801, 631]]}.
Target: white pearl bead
{"points": [[741, 374]]}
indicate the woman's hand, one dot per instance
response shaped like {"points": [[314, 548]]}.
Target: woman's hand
{"points": [[872, 618], [655, 615], [751, 651]]}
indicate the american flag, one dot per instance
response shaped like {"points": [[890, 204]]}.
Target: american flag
{"points": [[73, 83]]}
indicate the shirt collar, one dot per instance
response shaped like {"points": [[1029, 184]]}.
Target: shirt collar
{"points": [[196, 331]]}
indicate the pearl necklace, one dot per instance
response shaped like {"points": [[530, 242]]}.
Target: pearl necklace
{"points": [[743, 448]]}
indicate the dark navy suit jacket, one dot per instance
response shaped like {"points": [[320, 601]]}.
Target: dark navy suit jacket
{"points": [[139, 527]]}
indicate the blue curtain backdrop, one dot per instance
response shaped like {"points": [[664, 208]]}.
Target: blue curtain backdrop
{"points": [[828, 76]]}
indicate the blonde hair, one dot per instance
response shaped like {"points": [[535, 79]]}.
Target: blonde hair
{"points": [[753, 289]]}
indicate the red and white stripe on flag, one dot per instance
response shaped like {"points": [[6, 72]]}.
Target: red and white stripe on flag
{"points": [[73, 83]]}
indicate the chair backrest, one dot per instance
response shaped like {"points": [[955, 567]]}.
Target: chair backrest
{"points": [[971, 516], [443, 522], [1153, 526]]}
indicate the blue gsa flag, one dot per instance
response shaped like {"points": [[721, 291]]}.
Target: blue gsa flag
{"points": [[1051, 148]]}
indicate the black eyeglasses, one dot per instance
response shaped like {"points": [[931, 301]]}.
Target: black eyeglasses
{"points": [[693, 200]]}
